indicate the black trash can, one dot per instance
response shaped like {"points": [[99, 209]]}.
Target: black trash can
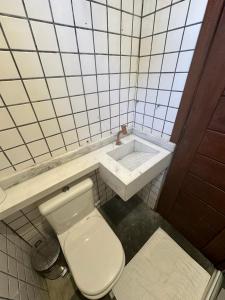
{"points": [[48, 260]]}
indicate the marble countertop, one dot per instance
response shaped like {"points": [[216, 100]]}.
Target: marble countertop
{"points": [[24, 193]]}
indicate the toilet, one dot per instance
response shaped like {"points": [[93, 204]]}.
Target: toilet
{"points": [[93, 252], [160, 270]]}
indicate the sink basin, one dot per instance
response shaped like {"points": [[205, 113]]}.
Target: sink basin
{"points": [[127, 168], [133, 154]]}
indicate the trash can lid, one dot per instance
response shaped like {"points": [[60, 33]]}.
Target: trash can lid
{"points": [[45, 255]]}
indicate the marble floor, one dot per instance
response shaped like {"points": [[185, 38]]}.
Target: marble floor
{"points": [[133, 222]]}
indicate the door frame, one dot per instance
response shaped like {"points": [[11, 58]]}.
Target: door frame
{"points": [[205, 98]]}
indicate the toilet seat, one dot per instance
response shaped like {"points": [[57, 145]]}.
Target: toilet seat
{"points": [[94, 254]]}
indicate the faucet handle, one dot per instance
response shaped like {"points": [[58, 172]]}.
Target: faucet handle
{"points": [[124, 129]]}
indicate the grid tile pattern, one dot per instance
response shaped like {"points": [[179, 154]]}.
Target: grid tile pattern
{"points": [[32, 227], [169, 34], [17, 279], [150, 193], [68, 75]]}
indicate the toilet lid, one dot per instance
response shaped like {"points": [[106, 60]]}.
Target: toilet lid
{"points": [[94, 254]]}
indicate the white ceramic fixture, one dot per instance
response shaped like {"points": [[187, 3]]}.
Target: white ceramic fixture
{"points": [[126, 168], [130, 166], [93, 252], [133, 154]]}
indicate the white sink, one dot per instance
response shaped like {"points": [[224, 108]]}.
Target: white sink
{"points": [[133, 154], [127, 168]]}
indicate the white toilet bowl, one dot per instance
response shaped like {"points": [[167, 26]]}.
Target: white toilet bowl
{"points": [[93, 252]]}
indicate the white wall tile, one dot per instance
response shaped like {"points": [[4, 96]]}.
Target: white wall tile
{"points": [[62, 106], [2, 41], [115, 3], [179, 81], [178, 14], [66, 38], [163, 97], [77, 93], [126, 27], [190, 37], [10, 138], [38, 147], [28, 64], [8, 68], [37, 89], [71, 64], [82, 13], [169, 62], [99, 22], [62, 11], [50, 127], [102, 64], [148, 6], [17, 155], [22, 114], [90, 84], [44, 36], [147, 25], [138, 7], [161, 20], [57, 87], [44, 110], [15, 9], [158, 43], [85, 41], [127, 5], [114, 20], [101, 45], [52, 64], [18, 33], [4, 285], [75, 85], [163, 3], [136, 26], [6, 121], [13, 92], [184, 61], [196, 11], [93, 115], [145, 46], [87, 64], [55, 142], [155, 63], [38, 9], [30, 132], [81, 119]]}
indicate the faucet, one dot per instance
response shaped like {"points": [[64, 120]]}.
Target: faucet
{"points": [[124, 131]]}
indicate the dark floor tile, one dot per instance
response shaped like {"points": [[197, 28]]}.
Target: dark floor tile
{"points": [[134, 223]]}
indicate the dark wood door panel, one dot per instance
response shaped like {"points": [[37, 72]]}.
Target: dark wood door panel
{"points": [[213, 145], [220, 265], [196, 220], [209, 170], [218, 119], [206, 192], [192, 198], [215, 250]]}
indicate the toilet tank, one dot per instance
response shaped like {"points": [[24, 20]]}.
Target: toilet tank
{"points": [[69, 207]]}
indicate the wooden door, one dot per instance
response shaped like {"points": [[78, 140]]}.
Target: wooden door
{"points": [[193, 196]]}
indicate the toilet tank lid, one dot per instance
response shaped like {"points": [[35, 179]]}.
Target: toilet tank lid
{"points": [[65, 197]]}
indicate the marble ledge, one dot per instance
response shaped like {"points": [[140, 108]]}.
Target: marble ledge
{"points": [[36, 183]]}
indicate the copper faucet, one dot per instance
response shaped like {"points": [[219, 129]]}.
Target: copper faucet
{"points": [[124, 131]]}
